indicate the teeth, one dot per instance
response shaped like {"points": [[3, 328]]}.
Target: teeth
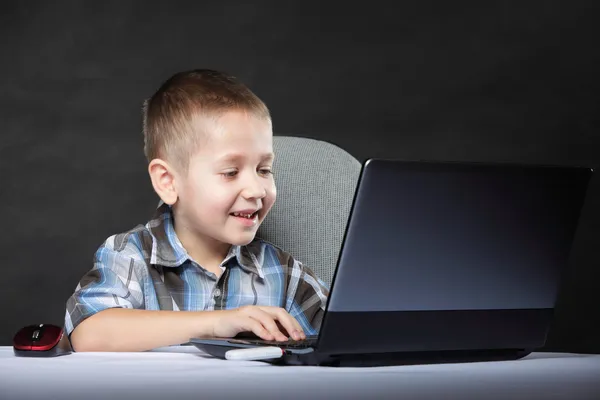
{"points": [[243, 215]]}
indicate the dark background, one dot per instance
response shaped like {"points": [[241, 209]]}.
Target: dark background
{"points": [[506, 81]]}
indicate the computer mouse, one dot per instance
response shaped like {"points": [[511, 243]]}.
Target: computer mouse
{"points": [[41, 340]]}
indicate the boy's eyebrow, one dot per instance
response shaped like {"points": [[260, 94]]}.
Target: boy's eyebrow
{"points": [[239, 156]]}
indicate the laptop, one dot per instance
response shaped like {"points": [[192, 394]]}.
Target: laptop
{"points": [[442, 262]]}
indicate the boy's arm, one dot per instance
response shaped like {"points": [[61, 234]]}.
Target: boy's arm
{"points": [[115, 281], [307, 297], [121, 329], [139, 330]]}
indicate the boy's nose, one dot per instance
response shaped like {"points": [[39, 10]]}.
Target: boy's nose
{"points": [[254, 190]]}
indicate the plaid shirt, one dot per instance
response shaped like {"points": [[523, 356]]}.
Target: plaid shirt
{"points": [[148, 268]]}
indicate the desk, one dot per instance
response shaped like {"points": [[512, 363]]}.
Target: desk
{"points": [[178, 373]]}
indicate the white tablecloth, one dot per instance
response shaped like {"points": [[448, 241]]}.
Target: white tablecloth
{"points": [[186, 373]]}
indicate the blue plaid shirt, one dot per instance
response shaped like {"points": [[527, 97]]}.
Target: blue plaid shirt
{"points": [[148, 268]]}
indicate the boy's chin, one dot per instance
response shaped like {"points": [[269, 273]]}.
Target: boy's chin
{"points": [[242, 240]]}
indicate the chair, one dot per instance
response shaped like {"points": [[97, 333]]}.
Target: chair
{"points": [[316, 181]]}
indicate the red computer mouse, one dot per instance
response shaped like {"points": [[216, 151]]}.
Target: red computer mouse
{"points": [[41, 340]]}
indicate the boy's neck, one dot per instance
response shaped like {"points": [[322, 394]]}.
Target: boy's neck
{"points": [[207, 252]]}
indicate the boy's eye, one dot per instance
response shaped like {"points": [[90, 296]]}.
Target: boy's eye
{"points": [[231, 174]]}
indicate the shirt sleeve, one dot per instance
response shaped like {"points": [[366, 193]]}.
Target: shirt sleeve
{"points": [[307, 297], [114, 282]]}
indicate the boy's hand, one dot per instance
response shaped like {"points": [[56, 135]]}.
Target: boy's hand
{"points": [[263, 321]]}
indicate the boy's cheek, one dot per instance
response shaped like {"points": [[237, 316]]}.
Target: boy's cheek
{"points": [[211, 209], [270, 200]]}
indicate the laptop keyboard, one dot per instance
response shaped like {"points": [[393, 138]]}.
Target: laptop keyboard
{"points": [[310, 341]]}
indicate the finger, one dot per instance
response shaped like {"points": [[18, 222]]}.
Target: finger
{"points": [[296, 324], [255, 326], [289, 323], [268, 323]]}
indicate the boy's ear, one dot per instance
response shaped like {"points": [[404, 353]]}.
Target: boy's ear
{"points": [[162, 176]]}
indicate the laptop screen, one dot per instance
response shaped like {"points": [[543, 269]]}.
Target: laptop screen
{"points": [[449, 236]]}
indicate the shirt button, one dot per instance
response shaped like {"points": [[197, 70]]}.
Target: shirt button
{"points": [[217, 293]]}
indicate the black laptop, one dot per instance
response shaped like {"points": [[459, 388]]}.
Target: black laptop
{"points": [[443, 262]]}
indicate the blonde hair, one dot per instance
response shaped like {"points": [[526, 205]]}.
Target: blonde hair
{"points": [[169, 114]]}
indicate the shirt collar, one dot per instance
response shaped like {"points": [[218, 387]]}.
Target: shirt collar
{"points": [[168, 251]]}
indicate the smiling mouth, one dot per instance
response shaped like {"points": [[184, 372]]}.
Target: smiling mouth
{"points": [[246, 216]]}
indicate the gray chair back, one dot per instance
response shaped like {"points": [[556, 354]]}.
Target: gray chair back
{"points": [[316, 181]]}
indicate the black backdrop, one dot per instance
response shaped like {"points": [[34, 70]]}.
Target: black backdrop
{"points": [[506, 81]]}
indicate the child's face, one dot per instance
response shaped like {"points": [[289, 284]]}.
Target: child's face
{"points": [[229, 174]]}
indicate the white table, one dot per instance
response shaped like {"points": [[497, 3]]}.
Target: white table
{"points": [[186, 373]]}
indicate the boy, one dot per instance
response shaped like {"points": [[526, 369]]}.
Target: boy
{"points": [[208, 140]]}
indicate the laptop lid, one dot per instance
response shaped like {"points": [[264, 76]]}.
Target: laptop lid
{"points": [[452, 256]]}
